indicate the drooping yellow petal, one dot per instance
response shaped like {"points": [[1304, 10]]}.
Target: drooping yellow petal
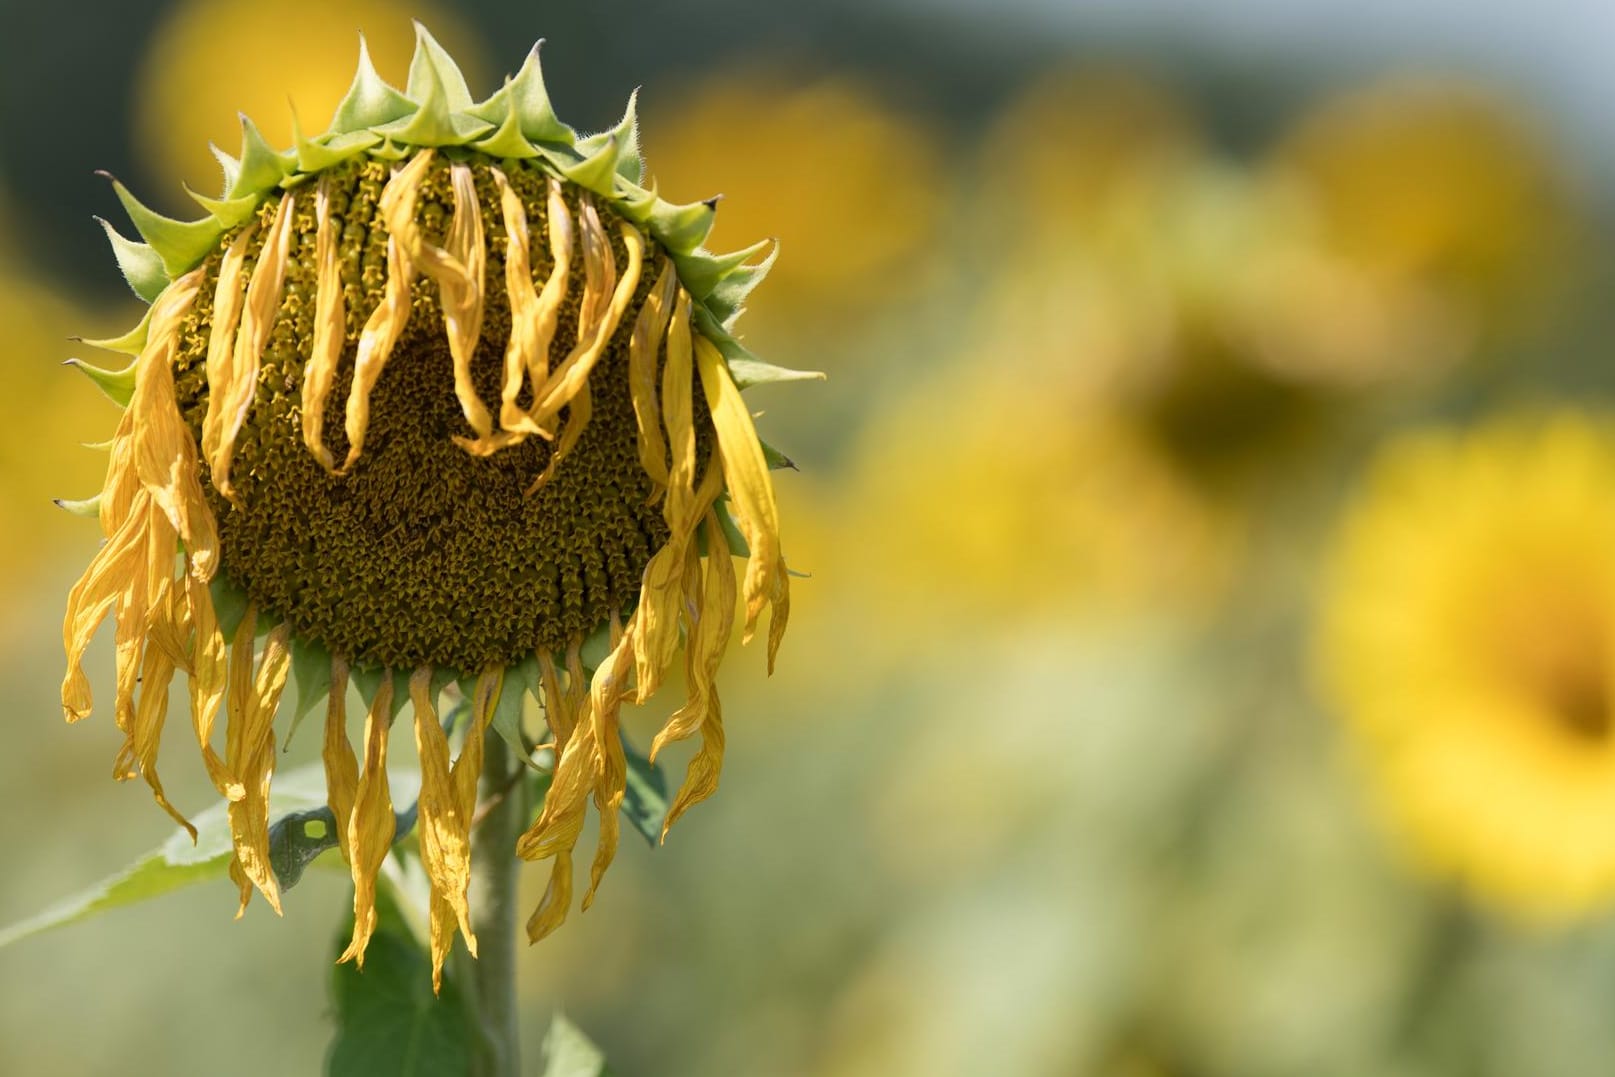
{"points": [[146, 732], [534, 327], [387, 321], [372, 826], [209, 672], [656, 634], [557, 703], [330, 328], [447, 802], [779, 603], [141, 596], [118, 491], [605, 297], [523, 301], [110, 574], [164, 452], [234, 397], [577, 420], [250, 753], [586, 765], [228, 297], [458, 269], [147, 494], [707, 628], [341, 765], [578, 773], [598, 316], [644, 347], [678, 410], [745, 472], [606, 694]]}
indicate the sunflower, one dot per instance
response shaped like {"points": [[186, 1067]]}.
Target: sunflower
{"points": [[442, 395], [1468, 637]]}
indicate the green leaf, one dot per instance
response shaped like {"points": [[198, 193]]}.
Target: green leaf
{"points": [[178, 863], [388, 1021], [296, 839], [644, 803], [567, 1052]]}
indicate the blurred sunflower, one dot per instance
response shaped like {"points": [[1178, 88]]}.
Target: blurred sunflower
{"points": [[1439, 187], [1468, 639], [1231, 305], [1021, 502], [534, 407], [853, 235]]}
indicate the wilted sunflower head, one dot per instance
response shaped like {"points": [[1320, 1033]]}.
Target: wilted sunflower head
{"points": [[442, 394]]}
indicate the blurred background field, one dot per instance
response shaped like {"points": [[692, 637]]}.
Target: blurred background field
{"points": [[1208, 661]]}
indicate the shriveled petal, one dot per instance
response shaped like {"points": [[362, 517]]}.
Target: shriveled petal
{"points": [[458, 269], [745, 472], [110, 574], [330, 328], [164, 454], [587, 765], [605, 297], [644, 348], [209, 672], [146, 732], [447, 803], [118, 491], [678, 410], [229, 295], [577, 421], [656, 634], [523, 302], [341, 765], [557, 710], [555, 832], [372, 826], [533, 329], [240, 385], [710, 621], [250, 753], [141, 596], [779, 611], [387, 321]]}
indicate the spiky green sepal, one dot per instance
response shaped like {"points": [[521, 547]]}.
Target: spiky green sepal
{"points": [[435, 109]]}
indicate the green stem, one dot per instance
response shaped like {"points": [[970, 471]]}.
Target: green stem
{"points": [[494, 912]]}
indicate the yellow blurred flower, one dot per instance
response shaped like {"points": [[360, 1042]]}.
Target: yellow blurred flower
{"points": [[1020, 501], [1468, 638], [1084, 154], [813, 164], [1437, 184], [191, 90], [1223, 299]]}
